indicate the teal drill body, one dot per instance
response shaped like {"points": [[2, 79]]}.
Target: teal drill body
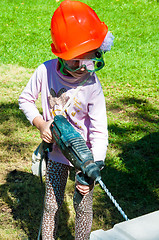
{"points": [[74, 147]]}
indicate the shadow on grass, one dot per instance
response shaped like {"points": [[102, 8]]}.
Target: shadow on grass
{"points": [[142, 109], [135, 188], [12, 145], [14, 126], [132, 175], [15, 147], [145, 110], [24, 193], [11, 111]]}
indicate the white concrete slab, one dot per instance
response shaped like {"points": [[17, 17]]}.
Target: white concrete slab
{"points": [[145, 227], [107, 235]]}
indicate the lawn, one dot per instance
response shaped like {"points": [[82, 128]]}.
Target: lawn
{"points": [[130, 83]]}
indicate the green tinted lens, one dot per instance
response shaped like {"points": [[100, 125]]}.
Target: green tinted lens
{"points": [[74, 66], [98, 64]]}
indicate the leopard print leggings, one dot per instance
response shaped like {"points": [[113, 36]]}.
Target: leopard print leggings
{"points": [[56, 178]]}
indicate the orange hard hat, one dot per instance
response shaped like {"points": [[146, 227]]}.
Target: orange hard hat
{"points": [[75, 30]]}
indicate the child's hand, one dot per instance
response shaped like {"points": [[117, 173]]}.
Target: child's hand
{"points": [[45, 132], [44, 128], [84, 189]]}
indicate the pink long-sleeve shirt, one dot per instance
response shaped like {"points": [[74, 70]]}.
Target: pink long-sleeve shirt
{"points": [[87, 111]]}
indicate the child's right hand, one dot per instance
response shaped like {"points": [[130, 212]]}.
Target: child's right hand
{"points": [[44, 128], [45, 132]]}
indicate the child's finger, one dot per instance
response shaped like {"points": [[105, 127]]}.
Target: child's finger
{"points": [[83, 189]]}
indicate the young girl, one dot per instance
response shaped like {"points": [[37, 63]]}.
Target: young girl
{"points": [[79, 41]]}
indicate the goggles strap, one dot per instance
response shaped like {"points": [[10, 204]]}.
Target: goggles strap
{"points": [[62, 66]]}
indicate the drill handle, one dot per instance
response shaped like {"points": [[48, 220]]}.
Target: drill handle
{"points": [[47, 147]]}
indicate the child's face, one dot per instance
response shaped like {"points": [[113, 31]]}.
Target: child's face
{"points": [[91, 61]]}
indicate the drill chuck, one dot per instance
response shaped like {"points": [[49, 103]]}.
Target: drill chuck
{"points": [[93, 172]]}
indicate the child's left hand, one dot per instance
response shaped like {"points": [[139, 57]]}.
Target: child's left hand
{"points": [[84, 189]]}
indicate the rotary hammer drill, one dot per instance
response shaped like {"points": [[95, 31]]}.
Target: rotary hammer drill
{"points": [[73, 147]]}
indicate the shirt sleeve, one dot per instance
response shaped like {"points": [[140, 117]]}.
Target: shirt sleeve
{"points": [[30, 95], [98, 132]]}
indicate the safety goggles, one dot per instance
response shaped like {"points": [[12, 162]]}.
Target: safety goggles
{"points": [[92, 62]]}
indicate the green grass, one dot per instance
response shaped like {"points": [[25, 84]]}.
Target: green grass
{"points": [[130, 84]]}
